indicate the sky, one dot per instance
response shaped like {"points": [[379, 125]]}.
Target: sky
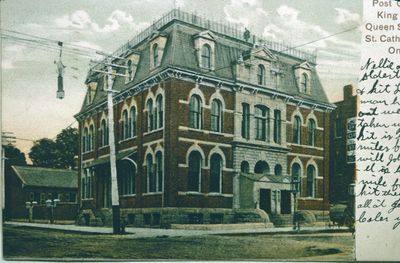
{"points": [[30, 108]]}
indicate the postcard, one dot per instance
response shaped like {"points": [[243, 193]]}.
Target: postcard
{"points": [[200, 130]]}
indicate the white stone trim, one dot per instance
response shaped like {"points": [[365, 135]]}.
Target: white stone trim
{"points": [[305, 155], [204, 142]]}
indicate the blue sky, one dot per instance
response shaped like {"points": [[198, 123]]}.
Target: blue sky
{"points": [[30, 108]]}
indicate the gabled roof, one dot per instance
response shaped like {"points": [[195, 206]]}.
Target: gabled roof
{"points": [[46, 177]]}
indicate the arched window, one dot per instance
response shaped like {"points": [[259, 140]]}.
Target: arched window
{"points": [[128, 178], [206, 56], [85, 139], [125, 125], [278, 170], [304, 83], [296, 176], [311, 181], [215, 173], [194, 176], [150, 115], [151, 179], [160, 171], [297, 130], [311, 132], [216, 116], [104, 133], [195, 117], [261, 75], [155, 55], [91, 137], [244, 167], [261, 115], [261, 167], [160, 116], [133, 121]]}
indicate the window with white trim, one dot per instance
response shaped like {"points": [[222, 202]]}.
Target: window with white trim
{"points": [[133, 121], [128, 178], [261, 75], [246, 121], [195, 106], [215, 173], [91, 138], [160, 112], [155, 55], [297, 130], [160, 171], [150, 115], [296, 176], [277, 126], [216, 116], [261, 114], [206, 56], [151, 178], [104, 132], [311, 181], [194, 176], [311, 132]]}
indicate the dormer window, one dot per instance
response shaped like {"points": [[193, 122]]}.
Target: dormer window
{"points": [[303, 77], [206, 56], [304, 83], [130, 70], [261, 75], [204, 43], [155, 55], [157, 43]]}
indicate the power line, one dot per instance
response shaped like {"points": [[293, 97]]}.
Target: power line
{"points": [[301, 45]]}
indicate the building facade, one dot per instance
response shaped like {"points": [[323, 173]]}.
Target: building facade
{"points": [[343, 146], [29, 184], [209, 128]]}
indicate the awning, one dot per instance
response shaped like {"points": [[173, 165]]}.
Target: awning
{"points": [[106, 159]]}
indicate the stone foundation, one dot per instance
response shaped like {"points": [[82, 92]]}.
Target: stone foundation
{"points": [[165, 217]]}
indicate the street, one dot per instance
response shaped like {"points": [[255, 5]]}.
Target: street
{"points": [[28, 243]]}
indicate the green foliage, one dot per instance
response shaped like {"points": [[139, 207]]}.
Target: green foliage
{"points": [[14, 156], [56, 154], [67, 143]]}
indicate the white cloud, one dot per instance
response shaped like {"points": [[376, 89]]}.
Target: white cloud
{"points": [[7, 64], [86, 44], [81, 19], [345, 17]]}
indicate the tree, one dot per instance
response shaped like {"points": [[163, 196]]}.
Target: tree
{"points": [[56, 154], [67, 143], [13, 155], [44, 153]]}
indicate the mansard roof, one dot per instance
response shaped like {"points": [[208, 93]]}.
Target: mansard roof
{"points": [[180, 53]]}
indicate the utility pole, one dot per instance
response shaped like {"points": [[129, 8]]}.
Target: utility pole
{"points": [[111, 138]]}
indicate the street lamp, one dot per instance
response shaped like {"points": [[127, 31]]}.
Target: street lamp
{"points": [[51, 205], [294, 187], [29, 206]]}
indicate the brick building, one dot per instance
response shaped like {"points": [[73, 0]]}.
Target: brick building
{"points": [[343, 136], [210, 127], [27, 184]]}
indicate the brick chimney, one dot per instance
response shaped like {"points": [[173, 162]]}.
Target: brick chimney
{"points": [[348, 91]]}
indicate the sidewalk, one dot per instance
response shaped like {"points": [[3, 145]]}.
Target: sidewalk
{"points": [[134, 232]]}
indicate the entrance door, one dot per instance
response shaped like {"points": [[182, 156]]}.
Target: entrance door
{"points": [[265, 200], [285, 202]]}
